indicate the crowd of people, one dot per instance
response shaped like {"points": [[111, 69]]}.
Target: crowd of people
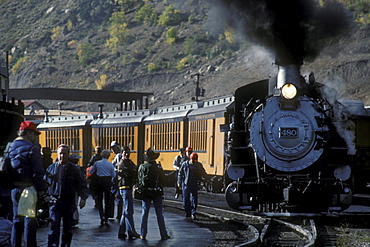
{"points": [[63, 187]]}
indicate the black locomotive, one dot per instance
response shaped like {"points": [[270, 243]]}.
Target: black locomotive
{"points": [[287, 147]]}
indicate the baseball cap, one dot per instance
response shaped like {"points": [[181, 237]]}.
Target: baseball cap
{"points": [[28, 125], [114, 144]]}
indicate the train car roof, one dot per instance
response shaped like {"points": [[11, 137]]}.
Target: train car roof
{"points": [[121, 117], [212, 108], [66, 121], [173, 112], [356, 108]]}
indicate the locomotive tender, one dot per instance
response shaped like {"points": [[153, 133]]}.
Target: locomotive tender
{"points": [[288, 148]]}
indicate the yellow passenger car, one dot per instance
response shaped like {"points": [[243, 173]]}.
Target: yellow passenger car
{"points": [[166, 132], [206, 138], [74, 131], [126, 128]]}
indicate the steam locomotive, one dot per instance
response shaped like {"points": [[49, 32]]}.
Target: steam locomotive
{"points": [[288, 147], [278, 145]]}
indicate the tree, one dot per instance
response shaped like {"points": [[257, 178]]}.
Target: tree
{"points": [[170, 16], [171, 35], [86, 53], [144, 14], [118, 30]]}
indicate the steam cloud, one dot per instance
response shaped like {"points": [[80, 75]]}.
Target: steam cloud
{"points": [[294, 30]]}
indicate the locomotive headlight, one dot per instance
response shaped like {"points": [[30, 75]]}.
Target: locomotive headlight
{"points": [[289, 91]]}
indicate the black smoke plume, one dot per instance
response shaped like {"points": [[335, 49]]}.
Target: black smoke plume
{"points": [[294, 30]]}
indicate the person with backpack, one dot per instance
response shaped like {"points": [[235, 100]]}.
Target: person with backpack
{"points": [[190, 172], [25, 156], [151, 178]]}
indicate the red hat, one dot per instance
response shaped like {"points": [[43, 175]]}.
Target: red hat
{"points": [[28, 125], [194, 156], [189, 148]]}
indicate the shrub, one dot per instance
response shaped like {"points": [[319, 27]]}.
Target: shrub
{"points": [[69, 25], [171, 35], [152, 66], [189, 46], [100, 84], [184, 62], [170, 16], [17, 66], [72, 43], [144, 14], [86, 53], [57, 31]]}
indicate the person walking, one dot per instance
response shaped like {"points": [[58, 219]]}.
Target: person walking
{"points": [[65, 180], [179, 159], [151, 178], [190, 172], [25, 156], [127, 177], [74, 158], [105, 175], [91, 178], [116, 149]]}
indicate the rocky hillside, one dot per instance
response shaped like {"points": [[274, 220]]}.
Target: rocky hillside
{"points": [[74, 44]]}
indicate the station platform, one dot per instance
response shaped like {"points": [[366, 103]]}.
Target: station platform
{"points": [[90, 233]]}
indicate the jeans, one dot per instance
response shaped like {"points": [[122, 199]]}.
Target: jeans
{"points": [[22, 225], [61, 209], [190, 198], [127, 219], [158, 201]]}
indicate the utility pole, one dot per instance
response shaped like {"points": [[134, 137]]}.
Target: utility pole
{"points": [[198, 91]]}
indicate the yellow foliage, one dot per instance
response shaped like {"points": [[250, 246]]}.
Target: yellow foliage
{"points": [[10, 58], [229, 35], [182, 63], [72, 43], [57, 31], [69, 25], [17, 66], [100, 84], [152, 66]]}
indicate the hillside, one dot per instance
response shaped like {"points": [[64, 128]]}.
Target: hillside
{"points": [[62, 43]]}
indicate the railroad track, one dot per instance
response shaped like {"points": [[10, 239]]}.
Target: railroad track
{"points": [[250, 230], [234, 228]]}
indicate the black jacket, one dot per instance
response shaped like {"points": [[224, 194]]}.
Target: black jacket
{"points": [[126, 173]]}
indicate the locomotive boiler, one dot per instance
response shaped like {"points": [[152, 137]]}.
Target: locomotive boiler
{"points": [[285, 147]]}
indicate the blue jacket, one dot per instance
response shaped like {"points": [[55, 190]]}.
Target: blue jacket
{"points": [[189, 174], [72, 181], [27, 161]]}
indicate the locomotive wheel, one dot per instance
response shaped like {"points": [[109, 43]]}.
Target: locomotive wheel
{"points": [[235, 199]]}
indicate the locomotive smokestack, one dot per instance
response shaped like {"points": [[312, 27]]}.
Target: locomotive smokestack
{"points": [[289, 74]]}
